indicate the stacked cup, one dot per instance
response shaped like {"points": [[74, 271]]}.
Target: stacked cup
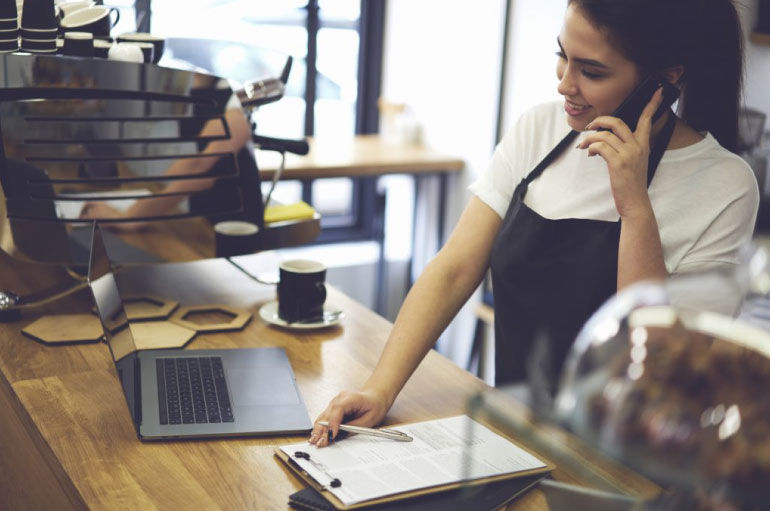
{"points": [[39, 26], [143, 38], [9, 26], [68, 7], [78, 44], [96, 19]]}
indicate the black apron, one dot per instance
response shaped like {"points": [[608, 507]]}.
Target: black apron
{"points": [[549, 276]]}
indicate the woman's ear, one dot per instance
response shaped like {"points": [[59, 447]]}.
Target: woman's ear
{"points": [[673, 74]]}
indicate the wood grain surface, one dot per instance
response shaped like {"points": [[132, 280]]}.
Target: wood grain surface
{"points": [[140, 308], [74, 443], [65, 328]]}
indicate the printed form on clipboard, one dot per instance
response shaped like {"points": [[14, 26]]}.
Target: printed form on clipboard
{"points": [[363, 470]]}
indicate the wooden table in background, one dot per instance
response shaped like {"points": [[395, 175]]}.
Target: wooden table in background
{"points": [[369, 156], [359, 156], [68, 441], [366, 158]]}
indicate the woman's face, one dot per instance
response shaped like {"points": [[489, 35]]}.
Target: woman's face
{"points": [[594, 77]]}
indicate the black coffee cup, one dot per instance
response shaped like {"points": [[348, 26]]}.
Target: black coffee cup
{"points": [[159, 43], [235, 237], [91, 19], [39, 14], [9, 24], [35, 46], [39, 34], [8, 10], [7, 35], [78, 44], [102, 48], [9, 46], [301, 290]]}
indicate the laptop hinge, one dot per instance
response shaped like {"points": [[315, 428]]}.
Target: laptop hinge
{"points": [[137, 392]]}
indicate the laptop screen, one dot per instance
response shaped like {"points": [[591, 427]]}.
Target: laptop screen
{"points": [[109, 305]]}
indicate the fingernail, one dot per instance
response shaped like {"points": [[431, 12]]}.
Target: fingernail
{"points": [[578, 146], [588, 126]]}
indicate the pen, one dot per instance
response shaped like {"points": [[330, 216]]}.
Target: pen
{"points": [[382, 433]]}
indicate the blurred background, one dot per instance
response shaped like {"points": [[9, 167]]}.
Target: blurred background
{"points": [[458, 73]]}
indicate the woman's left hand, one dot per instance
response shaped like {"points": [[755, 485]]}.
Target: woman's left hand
{"points": [[626, 154]]}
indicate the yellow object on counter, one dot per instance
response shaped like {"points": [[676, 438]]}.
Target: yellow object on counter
{"points": [[284, 212]]}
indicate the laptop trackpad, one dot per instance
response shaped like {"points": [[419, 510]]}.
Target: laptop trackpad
{"points": [[262, 386]]}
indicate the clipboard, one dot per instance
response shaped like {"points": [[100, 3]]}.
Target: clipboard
{"points": [[488, 497], [324, 491]]}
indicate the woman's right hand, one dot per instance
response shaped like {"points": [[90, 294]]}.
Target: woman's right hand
{"points": [[363, 408]]}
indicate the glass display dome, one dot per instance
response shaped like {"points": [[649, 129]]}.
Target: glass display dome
{"points": [[678, 393]]}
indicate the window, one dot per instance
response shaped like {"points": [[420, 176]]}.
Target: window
{"points": [[244, 40]]}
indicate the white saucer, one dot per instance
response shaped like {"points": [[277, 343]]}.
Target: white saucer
{"points": [[332, 316]]}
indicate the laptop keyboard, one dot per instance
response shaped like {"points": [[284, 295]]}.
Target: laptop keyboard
{"points": [[192, 390]]}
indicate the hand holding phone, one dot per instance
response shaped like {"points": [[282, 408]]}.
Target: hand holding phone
{"points": [[624, 149], [632, 107]]}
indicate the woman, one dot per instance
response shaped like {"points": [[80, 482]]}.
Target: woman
{"points": [[564, 231]]}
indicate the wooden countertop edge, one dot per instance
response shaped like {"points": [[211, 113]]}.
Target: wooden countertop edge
{"points": [[33, 434]]}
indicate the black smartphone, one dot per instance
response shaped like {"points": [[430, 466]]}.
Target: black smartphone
{"points": [[631, 109]]}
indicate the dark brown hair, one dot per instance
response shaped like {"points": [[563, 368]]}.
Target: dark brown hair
{"points": [[703, 36]]}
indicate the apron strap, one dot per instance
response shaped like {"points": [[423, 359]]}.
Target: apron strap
{"points": [[659, 146], [656, 154], [555, 152]]}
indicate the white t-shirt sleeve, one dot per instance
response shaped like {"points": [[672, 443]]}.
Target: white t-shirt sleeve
{"points": [[495, 186], [516, 155], [731, 226], [718, 247]]}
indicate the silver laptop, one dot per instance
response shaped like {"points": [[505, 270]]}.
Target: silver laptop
{"points": [[179, 393]]}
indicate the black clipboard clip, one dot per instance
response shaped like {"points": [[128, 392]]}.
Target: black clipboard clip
{"points": [[334, 482]]}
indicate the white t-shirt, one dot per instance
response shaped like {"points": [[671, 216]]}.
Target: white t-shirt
{"points": [[705, 198]]}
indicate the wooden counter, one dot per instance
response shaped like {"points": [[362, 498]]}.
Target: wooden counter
{"points": [[68, 441]]}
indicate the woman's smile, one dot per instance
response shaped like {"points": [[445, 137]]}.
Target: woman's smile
{"points": [[575, 109]]}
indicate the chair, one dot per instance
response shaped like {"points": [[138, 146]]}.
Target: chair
{"points": [[102, 131]]}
